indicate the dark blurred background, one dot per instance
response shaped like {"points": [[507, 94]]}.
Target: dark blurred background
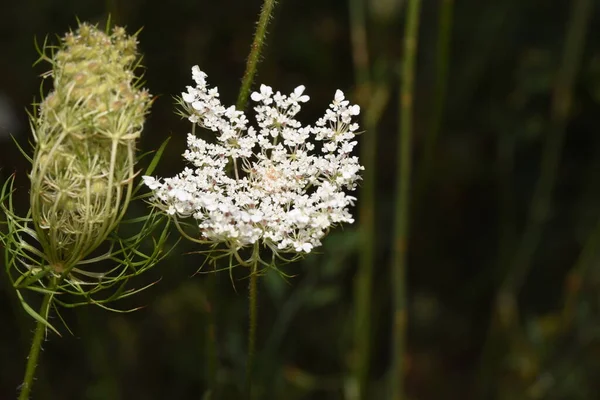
{"points": [[473, 333]]}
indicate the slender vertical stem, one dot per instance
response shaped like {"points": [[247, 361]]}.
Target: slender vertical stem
{"points": [[253, 58], [34, 351], [364, 275], [401, 223], [363, 284], [446, 10], [542, 196], [253, 312], [255, 49]]}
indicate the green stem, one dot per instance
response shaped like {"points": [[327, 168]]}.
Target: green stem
{"points": [[36, 346], [254, 56], [364, 277], [401, 223], [541, 200], [441, 83], [253, 311]]}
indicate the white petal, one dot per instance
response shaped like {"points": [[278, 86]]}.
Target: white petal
{"points": [[188, 97], [151, 182], [307, 247], [266, 91]]}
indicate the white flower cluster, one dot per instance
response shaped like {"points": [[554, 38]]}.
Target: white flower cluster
{"points": [[282, 184]]}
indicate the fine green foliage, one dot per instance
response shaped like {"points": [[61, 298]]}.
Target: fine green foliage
{"points": [[69, 245]]}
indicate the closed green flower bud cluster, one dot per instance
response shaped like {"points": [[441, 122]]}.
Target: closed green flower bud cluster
{"points": [[69, 246], [85, 133]]}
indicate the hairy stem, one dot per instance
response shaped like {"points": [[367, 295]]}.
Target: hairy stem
{"points": [[401, 223], [36, 346], [255, 50], [253, 312]]}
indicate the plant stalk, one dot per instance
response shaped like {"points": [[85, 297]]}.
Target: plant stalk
{"points": [[255, 51], [253, 313], [36, 346], [266, 14], [364, 276], [401, 223], [446, 11]]}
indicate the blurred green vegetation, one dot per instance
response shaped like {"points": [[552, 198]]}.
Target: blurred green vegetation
{"points": [[468, 337]]}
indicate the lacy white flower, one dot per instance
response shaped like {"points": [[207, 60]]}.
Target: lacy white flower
{"points": [[282, 184]]}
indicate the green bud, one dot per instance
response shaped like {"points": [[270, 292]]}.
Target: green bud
{"points": [[69, 205], [99, 187], [86, 132], [82, 174], [70, 68]]}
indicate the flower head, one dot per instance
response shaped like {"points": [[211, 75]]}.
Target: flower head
{"points": [[83, 166], [82, 175], [282, 183]]}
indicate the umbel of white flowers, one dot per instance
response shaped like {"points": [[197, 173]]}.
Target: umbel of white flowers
{"points": [[281, 184]]}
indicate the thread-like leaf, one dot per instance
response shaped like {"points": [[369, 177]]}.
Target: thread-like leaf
{"points": [[35, 315]]}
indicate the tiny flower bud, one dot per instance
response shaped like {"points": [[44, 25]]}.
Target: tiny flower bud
{"points": [[99, 187]]}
